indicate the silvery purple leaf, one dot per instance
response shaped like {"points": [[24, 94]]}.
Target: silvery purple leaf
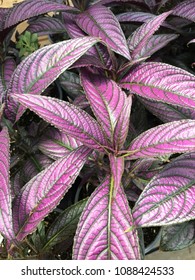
{"points": [[155, 43], [56, 144], [64, 226], [168, 112], [71, 26], [185, 9], [107, 101], [135, 16], [162, 82], [34, 165], [30, 8], [66, 117], [99, 21], [87, 61], [165, 139], [70, 82], [44, 192], [169, 198], [122, 126], [116, 169], [106, 230], [140, 37], [8, 69], [146, 168], [141, 17], [6, 226], [118, 2], [177, 237], [46, 26], [35, 73]]}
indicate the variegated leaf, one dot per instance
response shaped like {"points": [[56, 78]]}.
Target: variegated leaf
{"points": [[67, 118], [162, 82], [99, 21], [169, 198], [106, 230], [44, 191], [166, 139]]}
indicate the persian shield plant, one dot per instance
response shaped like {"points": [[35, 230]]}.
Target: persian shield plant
{"points": [[92, 89]]}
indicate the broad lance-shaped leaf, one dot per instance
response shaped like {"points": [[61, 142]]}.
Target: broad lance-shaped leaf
{"points": [[44, 191], [107, 101], [155, 43], [64, 226], [35, 73], [170, 196], [140, 37], [99, 21], [162, 82], [30, 8], [140, 17], [46, 26], [67, 118], [185, 10], [6, 226], [165, 139], [106, 230], [56, 144]]}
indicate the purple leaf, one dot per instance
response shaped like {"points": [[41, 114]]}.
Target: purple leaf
{"points": [[122, 125], [44, 192], [118, 2], [135, 16], [155, 43], [117, 169], [30, 8], [66, 117], [162, 82], [46, 26], [165, 139], [141, 17], [167, 112], [170, 197], [100, 22], [107, 101], [140, 37], [185, 9], [35, 73], [72, 28], [106, 230], [56, 144], [87, 61], [70, 82], [6, 227], [8, 69]]}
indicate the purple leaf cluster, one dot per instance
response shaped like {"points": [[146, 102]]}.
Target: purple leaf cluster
{"points": [[77, 109]]}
